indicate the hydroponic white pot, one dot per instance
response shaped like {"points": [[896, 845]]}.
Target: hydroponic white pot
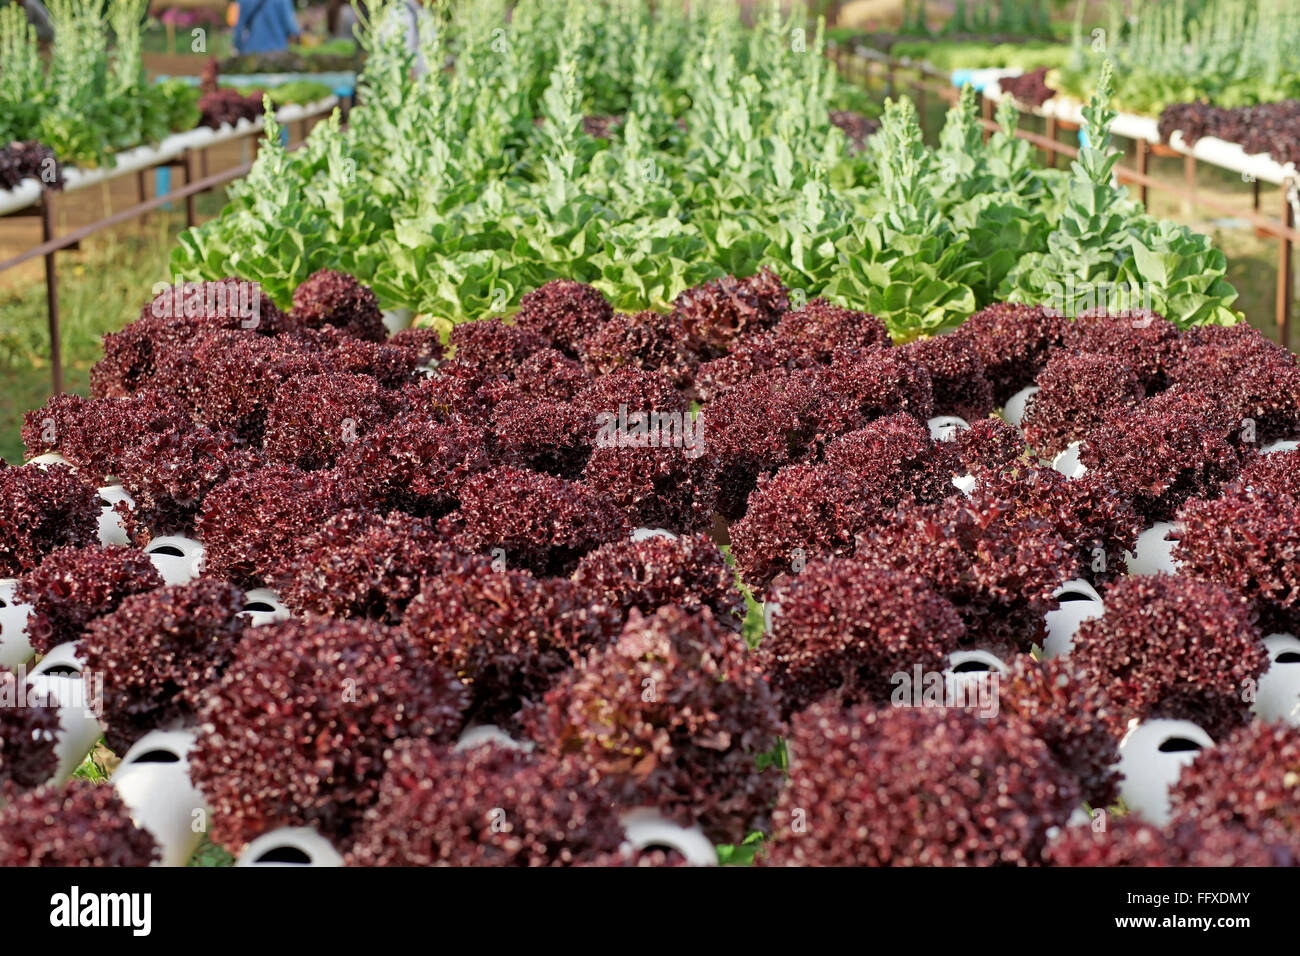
{"points": [[1078, 602], [646, 828], [178, 559], [397, 319], [290, 846], [964, 483], [946, 427], [1278, 694], [1068, 462], [967, 670], [15, 649], [1151, 756], [153, 781], [644, 534], [58, 678], [111, 531], [1152, 554], [1014, 410], [1282, 444], [50, 458], [263, 606], [484, 735]]}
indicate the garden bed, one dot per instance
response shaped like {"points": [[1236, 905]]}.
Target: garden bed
{"points": [[143, 158], [725, 492]]}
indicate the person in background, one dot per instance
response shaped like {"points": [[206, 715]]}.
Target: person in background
{"points": [[39, 18], [415, 12], [341, 18], [265, 26]]}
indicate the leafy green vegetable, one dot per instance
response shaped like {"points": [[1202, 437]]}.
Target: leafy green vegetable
{"points": [[1106, 253], [454, 192], [86, 104]]}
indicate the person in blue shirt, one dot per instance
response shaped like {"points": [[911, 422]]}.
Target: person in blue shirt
{"points": [[265, 26]]}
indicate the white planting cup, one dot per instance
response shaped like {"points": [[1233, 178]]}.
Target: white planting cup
{"points": [[290, 846], [1152, 554], [263, 606], [1014, 410], [153, 781], [646, 828], [1151, 756], [1278, 694], [178, 559], [15, 649], [1078, 602], [58, 679], [946, 427]]}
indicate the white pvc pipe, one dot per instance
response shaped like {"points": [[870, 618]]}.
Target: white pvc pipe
{"points": [[147, 157], [1068, 462], [485, 735], [644, 534], [395, 320], [49, 458], [111, 530], [972, 685], [1208, 149]]}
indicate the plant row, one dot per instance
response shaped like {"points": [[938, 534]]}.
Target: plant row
{"points": [[85, 103], [454, 192], [1269, 128], [483, 531], [1227, 52]]}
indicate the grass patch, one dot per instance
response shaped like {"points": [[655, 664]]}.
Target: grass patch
{"points": [[98, 765], [209, 854]]}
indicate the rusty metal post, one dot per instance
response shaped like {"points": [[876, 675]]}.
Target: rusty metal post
{"points": [[187, 164], [1254, 183], [1285, 271], [140, 194], [1051, 134], [1143, 158], [52, 295]]}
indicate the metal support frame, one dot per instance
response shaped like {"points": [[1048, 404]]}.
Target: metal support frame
{"points": [[50, 245]]}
